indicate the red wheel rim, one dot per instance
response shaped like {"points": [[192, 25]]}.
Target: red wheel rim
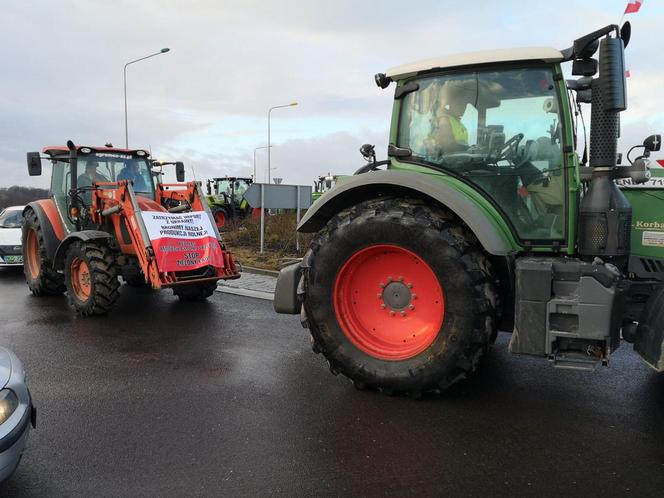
{"points": [[220, 219], [389, 302], [32, 253], [80, 279]]}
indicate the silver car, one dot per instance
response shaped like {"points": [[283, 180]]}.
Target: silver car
{"points": [[17, 413]]}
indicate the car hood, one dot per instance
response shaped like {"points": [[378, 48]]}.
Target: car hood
{"points": [[5, 367], [10, 236]]}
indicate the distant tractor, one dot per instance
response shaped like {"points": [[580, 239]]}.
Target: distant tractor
{"points": [[486, 219], [225, 198], [102, 220], [322, 185]]}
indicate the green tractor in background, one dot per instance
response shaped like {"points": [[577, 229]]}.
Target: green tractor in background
{"points": [[226, 201], [325, 183], [486, 219]]}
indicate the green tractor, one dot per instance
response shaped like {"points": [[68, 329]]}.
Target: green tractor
{"points": [[486, 219], [226, 201], [325, 184]]}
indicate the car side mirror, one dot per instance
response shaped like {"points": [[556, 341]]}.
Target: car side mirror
{"points": [[653, 143], [34, 164], [179, 171]]}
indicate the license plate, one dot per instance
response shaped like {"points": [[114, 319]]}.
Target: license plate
{"points": [[13, 259]]}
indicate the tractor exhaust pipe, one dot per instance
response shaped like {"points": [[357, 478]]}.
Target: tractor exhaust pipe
{"points": [[605, 214]]}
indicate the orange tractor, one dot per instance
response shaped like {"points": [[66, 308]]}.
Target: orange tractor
{"points": [[109, 215]]}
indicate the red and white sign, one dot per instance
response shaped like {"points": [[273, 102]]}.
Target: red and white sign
{"points": [[183, 241], [633, 6]]}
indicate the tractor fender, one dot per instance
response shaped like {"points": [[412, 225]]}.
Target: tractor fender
{"points": [[82, 236], [390, 182], [52, 227]]}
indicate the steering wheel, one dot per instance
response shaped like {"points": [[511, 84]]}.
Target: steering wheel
{"points": [[510, 148]]}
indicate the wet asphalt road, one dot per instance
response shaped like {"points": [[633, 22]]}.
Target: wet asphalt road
{"points": [[226, 398]]}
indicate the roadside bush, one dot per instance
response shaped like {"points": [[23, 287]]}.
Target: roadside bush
{"points": [[279, 235]]}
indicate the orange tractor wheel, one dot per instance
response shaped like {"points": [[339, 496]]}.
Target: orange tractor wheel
{"points": [[41, 278], [91, 277]]}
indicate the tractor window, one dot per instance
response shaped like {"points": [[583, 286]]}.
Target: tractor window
{"points": [[113, 166], [60, 185], [499, 130]]}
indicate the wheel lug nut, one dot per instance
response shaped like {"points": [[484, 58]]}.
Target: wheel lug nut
{"points": [[389, 279], [381, 285], [412, 307], [400, 279], [392, 313], [379, 295], [414, 296], [410, 286], [382, 306], [403, 313]]}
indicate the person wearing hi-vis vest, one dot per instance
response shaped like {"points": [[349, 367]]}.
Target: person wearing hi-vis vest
{"points": [[448, 133]]}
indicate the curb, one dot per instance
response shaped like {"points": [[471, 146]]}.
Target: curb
{"points": [[260, 271], [268, 296]]}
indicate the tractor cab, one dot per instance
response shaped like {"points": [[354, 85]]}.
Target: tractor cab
{"points": [[500, 129]]}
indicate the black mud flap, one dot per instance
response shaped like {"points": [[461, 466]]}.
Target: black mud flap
{"points": [[286, 299], [649, 341]]}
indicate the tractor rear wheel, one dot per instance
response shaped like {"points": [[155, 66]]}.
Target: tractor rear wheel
{"points": [[220, 216], [91, 277], [399, 296], [194, 292], [40, 276]]}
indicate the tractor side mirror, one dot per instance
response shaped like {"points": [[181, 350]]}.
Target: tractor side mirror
{"points": [[179, 171], [34, 164], [368, 152], [653, 143]]}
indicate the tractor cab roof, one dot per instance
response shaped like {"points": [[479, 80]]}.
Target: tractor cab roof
{"points": [[59, 150], [485, 57]]}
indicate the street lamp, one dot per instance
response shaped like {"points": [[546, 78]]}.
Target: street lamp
{"points": [[264, 147], [268, 134], [162, 51]]}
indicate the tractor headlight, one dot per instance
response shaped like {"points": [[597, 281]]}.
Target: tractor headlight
{"points": [[8, 404]]}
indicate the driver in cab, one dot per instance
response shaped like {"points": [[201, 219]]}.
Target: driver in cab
{"points": [[130, 172], [448, 133], [88, 178]]}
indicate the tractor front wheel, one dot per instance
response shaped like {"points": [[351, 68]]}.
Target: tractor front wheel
{"points": [[91, 277], [399, 296], [220, 216], [194, 292], [40, 276]]}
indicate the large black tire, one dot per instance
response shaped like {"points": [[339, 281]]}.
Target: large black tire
{"points": [[452, 253], [194, 292], [91, 277], [40, 276]]}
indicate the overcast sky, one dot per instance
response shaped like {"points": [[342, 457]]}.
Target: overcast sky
{"points": [[205, 102]]}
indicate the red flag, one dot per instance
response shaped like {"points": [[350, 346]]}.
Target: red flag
{"points": [[633, 6], [661, 162], [627, 73]]}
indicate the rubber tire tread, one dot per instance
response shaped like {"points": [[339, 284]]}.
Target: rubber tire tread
{"points": [[446, 233], [49, 282], [194, 292], [104, 273], [214, 210]]}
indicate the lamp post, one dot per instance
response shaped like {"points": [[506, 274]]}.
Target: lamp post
{"points": [[268, 134], [257, 148], [162, 51]]}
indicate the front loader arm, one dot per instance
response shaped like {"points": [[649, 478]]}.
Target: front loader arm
{"points": [[116, 201]]}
